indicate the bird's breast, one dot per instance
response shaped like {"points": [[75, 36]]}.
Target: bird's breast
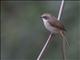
{"points": [[49, 27]]}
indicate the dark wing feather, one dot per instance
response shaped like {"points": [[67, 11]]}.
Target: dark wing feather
{"points": [[57, 24]]}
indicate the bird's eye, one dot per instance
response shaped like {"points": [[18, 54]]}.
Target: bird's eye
{"points": [[45, 17]]}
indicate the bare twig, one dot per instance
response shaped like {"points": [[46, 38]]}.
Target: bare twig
{"points": [[44, 47], [61, 8]]}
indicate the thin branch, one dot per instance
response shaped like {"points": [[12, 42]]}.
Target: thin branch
{"points": [[44, 47], [61, 8]]}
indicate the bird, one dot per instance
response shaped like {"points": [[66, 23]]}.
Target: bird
{"points": [[53, 25]]}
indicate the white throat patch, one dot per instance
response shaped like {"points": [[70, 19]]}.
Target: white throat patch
{"points": [[48, 26]]}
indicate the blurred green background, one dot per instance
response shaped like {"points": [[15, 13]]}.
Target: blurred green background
{"points": [[23, 34]]}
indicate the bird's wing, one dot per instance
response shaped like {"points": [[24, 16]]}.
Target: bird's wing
{"points": [[57, 24]]}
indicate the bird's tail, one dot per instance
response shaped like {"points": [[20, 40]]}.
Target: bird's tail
{"points": [[64, 38]]}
